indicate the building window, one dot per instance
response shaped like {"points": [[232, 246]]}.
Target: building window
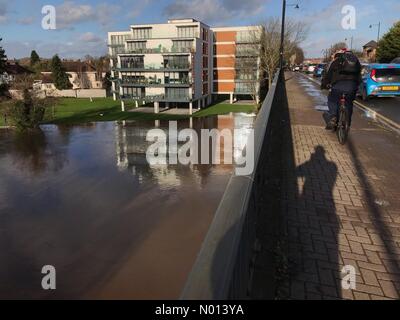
{"points": [[182, 45], [176, 62], [245, 36], [119, 39], [205, 88], [205, 62], [246, 75], [136, 46], [142, 33], [205, 75], [187, 32], [249, 50], [177, 77], [245, 87], [205, 34], [133, 92], [132, 62], [177, 92], [215, 87], [205, 48]]}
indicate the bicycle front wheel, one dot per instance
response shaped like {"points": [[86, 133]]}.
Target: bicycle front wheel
{"points": [[343, 127]]}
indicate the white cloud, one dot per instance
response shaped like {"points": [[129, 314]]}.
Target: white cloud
{"points": [[213, 11], [90, 37], [26, 20], [138, 8], [69, 14], [68, 49], [3, 11]]}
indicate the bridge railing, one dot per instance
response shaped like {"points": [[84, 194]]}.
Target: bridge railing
{"points": [[224, 265]]}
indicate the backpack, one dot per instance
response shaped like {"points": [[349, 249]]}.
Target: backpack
{"points": [[349, 64]]}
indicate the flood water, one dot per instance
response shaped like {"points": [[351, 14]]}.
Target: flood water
{"points": [[85, 200]]}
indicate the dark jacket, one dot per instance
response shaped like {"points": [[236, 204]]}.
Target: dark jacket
{"points": [[334, 74]]}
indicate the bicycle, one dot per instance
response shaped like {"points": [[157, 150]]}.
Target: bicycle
{"points": [[343, 124]]}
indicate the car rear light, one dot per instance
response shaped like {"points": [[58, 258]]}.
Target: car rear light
{"points": [[373, 75]]}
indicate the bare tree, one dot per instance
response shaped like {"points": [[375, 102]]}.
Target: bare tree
{"points": [[333, 49], [269, 35], [82, 81], [298, 56]]}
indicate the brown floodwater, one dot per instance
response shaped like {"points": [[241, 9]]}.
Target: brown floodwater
{"points": [[85, 200]]}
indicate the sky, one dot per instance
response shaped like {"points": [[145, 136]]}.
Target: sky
{"points": [[81, 26]]}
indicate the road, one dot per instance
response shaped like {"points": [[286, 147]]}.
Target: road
{"points": [[387, 107]]}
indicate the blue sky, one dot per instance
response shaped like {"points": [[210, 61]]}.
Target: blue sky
{"points": [[82, 25]]}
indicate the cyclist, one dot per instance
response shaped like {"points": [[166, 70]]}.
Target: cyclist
{"points": [[343, 77]]}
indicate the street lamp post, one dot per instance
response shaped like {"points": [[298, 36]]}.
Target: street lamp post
{"points": [[282, 34], [379, 28], [281, 50], [351, 43]]}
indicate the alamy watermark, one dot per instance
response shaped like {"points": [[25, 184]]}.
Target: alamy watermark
{"points": [[349, 21], [348, 277], [49, 21], [49, 280], [195, 149]]}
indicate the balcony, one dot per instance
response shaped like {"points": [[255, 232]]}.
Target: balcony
{"points": [[158, 98], [153, 83], [158, 50], [113, 45], [144, 68]]}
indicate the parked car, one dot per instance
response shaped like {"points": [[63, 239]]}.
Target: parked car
{"points": [[319, 69], [311, 68], [379, 80], [396, 61], [296, 68]]}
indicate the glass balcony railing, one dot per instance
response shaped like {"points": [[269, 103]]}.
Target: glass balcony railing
{"points": [[161, 97], [154, 82], [154, 67], [157, 50]]}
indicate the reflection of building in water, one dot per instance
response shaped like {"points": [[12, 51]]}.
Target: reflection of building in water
{"points": [[240, 124], [131, 147]]}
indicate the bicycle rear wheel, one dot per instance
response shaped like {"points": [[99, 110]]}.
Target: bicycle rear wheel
{"points": [[343, 127]]}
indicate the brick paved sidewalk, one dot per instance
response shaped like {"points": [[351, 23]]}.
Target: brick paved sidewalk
{"points": [[341, 204]]}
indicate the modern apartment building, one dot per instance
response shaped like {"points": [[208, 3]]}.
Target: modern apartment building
{"points": [[236, 63], [179, 63]]}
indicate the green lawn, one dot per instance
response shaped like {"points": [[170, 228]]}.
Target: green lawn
{"points": [[222, 108], [72, 111]]}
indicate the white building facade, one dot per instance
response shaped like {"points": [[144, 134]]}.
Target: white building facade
{"points": [[170, 64]]}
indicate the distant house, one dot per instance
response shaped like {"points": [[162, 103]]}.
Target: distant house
{"points": [[82, 75], [85, 79], [313, 61], [369, 51], [12, 70]]}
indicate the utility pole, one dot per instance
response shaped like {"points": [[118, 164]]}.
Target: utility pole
{"points": [[379, 29]]}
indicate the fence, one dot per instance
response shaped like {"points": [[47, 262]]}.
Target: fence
{"points": [[223, 267]]}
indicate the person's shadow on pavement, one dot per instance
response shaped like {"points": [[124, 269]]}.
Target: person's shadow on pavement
{"points": [[316, 237]]}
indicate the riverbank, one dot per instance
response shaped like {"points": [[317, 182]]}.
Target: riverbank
{"points": [[73, 111]]}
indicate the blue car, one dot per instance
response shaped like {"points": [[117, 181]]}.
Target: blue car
{"points": [[380, 80], [319, 69]]}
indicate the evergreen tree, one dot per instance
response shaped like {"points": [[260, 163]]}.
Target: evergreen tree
{"points": [[3, 63], [389, 45], [60, 77], [34, 58], [3, 59]]}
